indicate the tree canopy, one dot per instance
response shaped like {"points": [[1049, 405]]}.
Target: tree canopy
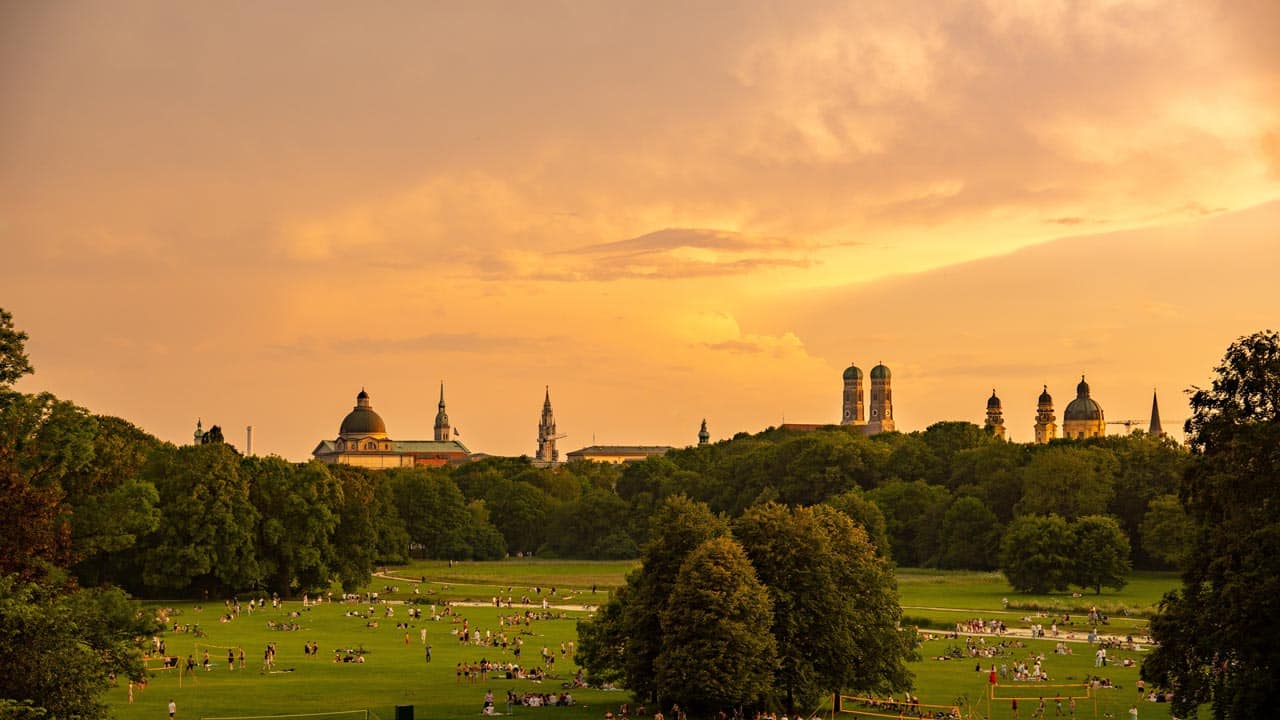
{"points": [[1218, 643]]}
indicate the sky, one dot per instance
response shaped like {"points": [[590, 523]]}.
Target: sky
{"points": [[247, 212]]}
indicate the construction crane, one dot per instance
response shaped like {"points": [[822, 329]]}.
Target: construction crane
{"points": [[1128, 424]]}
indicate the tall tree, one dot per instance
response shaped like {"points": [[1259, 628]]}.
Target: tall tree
{"points": [[61, 647], [716, 650], [355, 539], [835, 609], [1216, 642], [42, 439], [111, 507], [13, 353], [205, 540], [866, 515], [1035, 554], [299, 509], [1101, 551], [635, 636], [970, 536], [434, 512]]}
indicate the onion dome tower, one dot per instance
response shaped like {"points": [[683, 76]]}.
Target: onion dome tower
{"points": [[442, 419], [1155, 430], [362, 421], [853, 413], [1046, 421], [995, 416], [198, 435], [881, 415], [547, 432], [1083, 417], [704, 437]]}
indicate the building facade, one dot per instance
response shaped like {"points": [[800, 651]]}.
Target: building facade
{"points": [[363, 441], [618, 454]]}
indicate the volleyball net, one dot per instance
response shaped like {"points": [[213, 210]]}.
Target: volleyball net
{"points": [[1079, 691], [873, 707], [334, 715]]}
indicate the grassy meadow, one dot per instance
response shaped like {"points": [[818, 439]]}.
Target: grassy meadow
{"points": [[396, 672]]}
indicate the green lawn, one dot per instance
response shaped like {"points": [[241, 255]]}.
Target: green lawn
{"points": [[396, 673]]}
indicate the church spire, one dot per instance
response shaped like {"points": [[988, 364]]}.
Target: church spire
{"points": [[442, 419], [1155, 428], [547, 432], [704, 436]]}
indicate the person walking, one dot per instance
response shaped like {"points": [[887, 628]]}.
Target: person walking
{"points": [[428, 653], [173, 708]]}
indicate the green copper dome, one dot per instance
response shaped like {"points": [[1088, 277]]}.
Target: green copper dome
{"points": [[852, 373], [880, 372]]}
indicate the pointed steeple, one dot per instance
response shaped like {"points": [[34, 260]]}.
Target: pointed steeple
{"points": [[1155, 428], [442, 419], [547, 431], [704, 437]]}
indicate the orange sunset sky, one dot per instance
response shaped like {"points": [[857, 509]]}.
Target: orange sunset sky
{"points": [[247, 211]]}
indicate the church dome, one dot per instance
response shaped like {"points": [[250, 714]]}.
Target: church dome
{"points": [[852, 373], [362, 420], [1045, 397], [1083, 407], [880, 372], [993, 401]]}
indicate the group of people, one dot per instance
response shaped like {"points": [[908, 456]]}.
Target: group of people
{"points": [[480, 671], [529, 699]]}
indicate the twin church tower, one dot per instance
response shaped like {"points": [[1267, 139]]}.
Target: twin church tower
{"points": [[878, 417]]}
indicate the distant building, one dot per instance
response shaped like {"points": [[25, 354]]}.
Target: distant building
{"points": [[547, 437], [1083, 417], [995, 416], [1046, 421], [704, 436], [852, 408], [804, 427], [618, 454], [363, 441]]}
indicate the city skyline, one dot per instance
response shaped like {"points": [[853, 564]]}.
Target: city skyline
{"points": [[247, 213]]}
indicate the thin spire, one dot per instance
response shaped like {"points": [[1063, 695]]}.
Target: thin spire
{"points": [[442, 393], [1155, 428]]}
